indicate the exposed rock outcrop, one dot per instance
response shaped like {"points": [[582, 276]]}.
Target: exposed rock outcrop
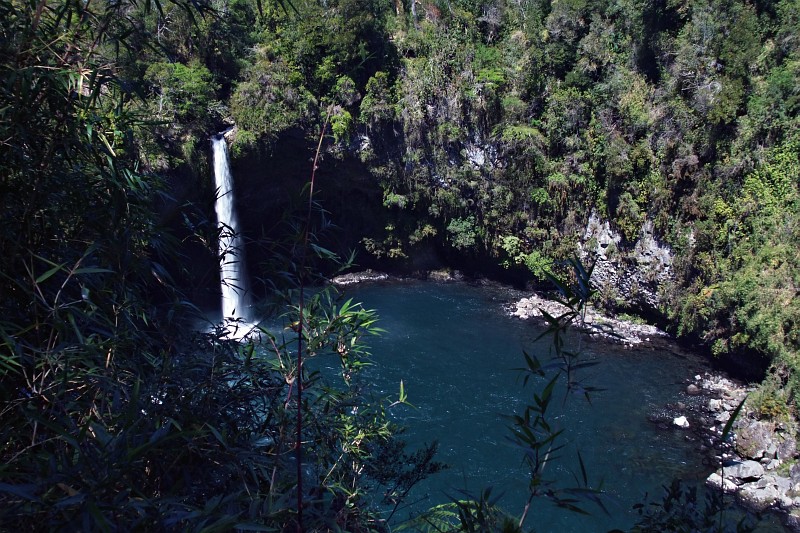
{"points": [[635, 278]]}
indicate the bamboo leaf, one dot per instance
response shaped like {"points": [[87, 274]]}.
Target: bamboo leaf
{"points": [[47, 275], [26, 491], [91, 270], [734, 415], [217, 435]]}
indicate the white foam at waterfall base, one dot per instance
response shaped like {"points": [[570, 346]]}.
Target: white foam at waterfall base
{"points": [[235, 308]]}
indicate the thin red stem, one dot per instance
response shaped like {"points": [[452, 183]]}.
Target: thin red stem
{"points": [[304, 250]]}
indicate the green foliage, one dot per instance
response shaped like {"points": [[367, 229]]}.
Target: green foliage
{"points": [[771, 400], [423, 231], [498, 127], [377, 105], [513, 106], [395, 200], [116, 415], [184, 92], [519, 119], [517, 133], [540, 196], [462, 233], [488, 64], [635, 100], [773, 186], [748, 303], [325, 42], [341, 125], [567, 115], [574, 293], [629, 218], [482, 514], [243, 141], [511, 246], [271, 98], [537, 263]]}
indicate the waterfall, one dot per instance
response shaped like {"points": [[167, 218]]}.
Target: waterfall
{"points": [[231, 251]]}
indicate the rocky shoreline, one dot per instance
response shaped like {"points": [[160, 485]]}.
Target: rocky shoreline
{"points": [[757, 463], [596, 323], [354, 278], [371, 276]]}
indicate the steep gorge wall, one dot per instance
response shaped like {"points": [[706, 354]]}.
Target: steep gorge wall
{"points": [[524, 133], [632, 277]]}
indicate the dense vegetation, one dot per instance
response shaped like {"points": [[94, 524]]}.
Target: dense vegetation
{"points": [[118, 414], [493, 129]]}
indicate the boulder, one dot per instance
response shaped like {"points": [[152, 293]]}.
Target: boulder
{"points": [[692, 390], [783, 483], [744, 471], [353, 278], [715, 481], [794, 473], [787, 447], [722, 417], [758, 498], [785, 502], [792, 520], [445, 275], [754, 439]]}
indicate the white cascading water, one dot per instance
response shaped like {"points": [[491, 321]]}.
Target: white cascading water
{"points": [[231, 251]]}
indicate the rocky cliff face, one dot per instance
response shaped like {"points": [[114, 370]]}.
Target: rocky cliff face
{"points": [[630, 276], [633, 278]]}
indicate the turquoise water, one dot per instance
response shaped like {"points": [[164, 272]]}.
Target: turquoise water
{"points": [[455, 349]]}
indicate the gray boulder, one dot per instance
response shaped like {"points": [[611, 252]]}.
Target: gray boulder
{"points": [[744, 471], [758, 498], [754, 439], [681, 422], [794, 473], [787, 446], [792, 520], [716, 481]]}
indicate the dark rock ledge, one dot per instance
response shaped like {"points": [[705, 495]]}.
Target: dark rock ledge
{"points": [[369, 275]]}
